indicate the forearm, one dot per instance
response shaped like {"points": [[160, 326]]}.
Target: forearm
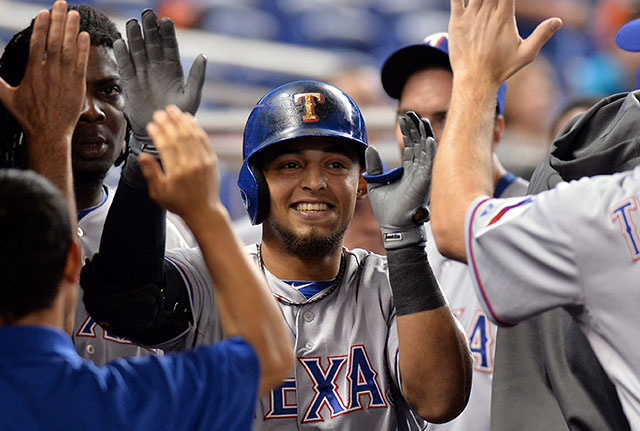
{"points": [[432, 349], [52, 160], [462, 167], [133, 238], [250, 310]]}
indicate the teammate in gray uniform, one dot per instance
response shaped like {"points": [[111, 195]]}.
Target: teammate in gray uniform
{"points": [[98, 141], [573, 246], [364, 332], [419, 76]]}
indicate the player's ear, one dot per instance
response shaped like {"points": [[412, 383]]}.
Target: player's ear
{"points": [[74, 263], [498, 130], [362, 186]]}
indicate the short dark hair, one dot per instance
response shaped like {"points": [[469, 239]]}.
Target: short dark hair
{"points": [[103, 32], [36, 232]]}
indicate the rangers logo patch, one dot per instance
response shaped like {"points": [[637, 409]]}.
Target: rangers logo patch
{"points": [[309, 100]]}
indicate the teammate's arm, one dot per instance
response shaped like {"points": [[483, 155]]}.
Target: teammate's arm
{"points": [[485, 49], [145, 299], [434, 360], [189, 188]]}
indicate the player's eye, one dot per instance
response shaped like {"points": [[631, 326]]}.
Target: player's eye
{"points": [[112, 91], [337, 165], [289, 165]]}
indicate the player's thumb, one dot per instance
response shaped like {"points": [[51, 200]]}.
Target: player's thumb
{"points": [[541, 35], [7, 93], [373, 161], [195, 82]]}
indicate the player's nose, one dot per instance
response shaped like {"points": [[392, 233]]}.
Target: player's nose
{"points": [[313, 178]]}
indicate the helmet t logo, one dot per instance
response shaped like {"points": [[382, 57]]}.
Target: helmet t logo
{"points": [[309, 105]]}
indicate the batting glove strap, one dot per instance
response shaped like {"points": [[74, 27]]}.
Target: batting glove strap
{"points": [[413, 284], [142, 144], [131, 172], [404, 237]]}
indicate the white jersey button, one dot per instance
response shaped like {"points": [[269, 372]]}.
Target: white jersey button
{"points": [[308, 316], [308, 345], [80, 232], [90, 349]]}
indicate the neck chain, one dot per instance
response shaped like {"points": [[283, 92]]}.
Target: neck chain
{"points": [[324, 293]]}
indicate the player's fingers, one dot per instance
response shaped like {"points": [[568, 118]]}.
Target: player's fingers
{"points": [[137, 49], [417, 133], [195, 82], [56, 31], [207, 154], [170, 48], [203, 138], [186, 141], [471, 5], [38, 41], [200, 141], [407, 154], [413, 124], [125, 65], [423, 136], [83, 45], [152, 36], [543, 32], [70, 39], [162, 132], [457, 7], [425, 160]]}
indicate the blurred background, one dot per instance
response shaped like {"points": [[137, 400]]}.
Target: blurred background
{"points": [[255, 45]]}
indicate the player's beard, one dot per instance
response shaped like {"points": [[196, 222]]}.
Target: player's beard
{"points": [[312, 246]]}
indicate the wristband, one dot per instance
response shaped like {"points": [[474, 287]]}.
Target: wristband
{"points": [[413, 284]]}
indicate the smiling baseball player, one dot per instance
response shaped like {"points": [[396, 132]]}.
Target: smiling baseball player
{"points": [[372, 337]]}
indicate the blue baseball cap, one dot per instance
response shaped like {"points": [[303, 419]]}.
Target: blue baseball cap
{"points": [[432, 52], [628, 37]]}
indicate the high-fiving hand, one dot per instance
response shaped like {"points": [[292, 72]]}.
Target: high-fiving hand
{"points": [[50, 96], [400, 206], [190, 178], [152, 75], [484, 39]]}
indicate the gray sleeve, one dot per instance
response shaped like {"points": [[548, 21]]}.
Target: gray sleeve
{"points": [[206, 327], [521, 262]]}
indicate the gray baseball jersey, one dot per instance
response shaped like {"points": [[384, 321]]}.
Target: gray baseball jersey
{"points": [[576, 246], [91, 341], [457, 286], [346, 375]]}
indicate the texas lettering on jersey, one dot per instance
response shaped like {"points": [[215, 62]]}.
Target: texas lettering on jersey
{"points": [[341, 385], [88, 329]]}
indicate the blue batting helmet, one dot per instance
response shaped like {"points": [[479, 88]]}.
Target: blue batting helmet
{"points": [[295, 110]]}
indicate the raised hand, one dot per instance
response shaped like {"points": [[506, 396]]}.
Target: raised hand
{"points": [[400, 206], [189, 182], [484, 39], [152, 75], [49, 99]]}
